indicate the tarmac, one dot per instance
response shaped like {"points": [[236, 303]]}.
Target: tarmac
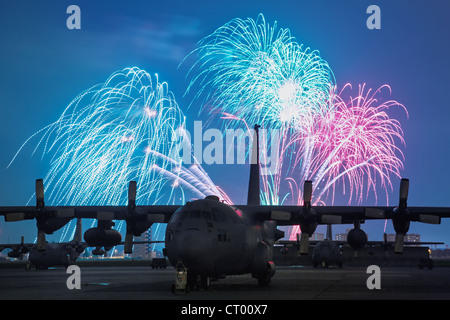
{"points": [[290, 283]]}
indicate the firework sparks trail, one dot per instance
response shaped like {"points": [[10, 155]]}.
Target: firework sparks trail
{"points": [[250, 73], [355, 145], [259, 74], [358, 142], [113, 133]]}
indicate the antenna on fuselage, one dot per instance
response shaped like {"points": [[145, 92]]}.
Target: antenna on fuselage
{"points": [[253, 183]]}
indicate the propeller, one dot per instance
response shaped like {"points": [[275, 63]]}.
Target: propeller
{"points": [[401, 216], [309, 226], [310, 219], [131, 210], [40, 215], [22, 249], [307, 194], [137, 223], [47, 221]]}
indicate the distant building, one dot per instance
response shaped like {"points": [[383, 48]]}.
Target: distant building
{"points": [[440, 253], [143, 251], [314, 237], [340, 237], [343, 236], [317, 237], [409, 237]]}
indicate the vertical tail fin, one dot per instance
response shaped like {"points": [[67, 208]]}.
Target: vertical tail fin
{"points": [[253, 183]]}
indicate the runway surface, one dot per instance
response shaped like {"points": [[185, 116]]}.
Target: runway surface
{"points": [[289, 283]]}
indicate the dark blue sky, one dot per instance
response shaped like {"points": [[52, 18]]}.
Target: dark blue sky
{"points": [[44, 66]]}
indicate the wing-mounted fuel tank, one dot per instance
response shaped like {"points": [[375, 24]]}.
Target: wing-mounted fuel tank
{"points": [[356, 237], [103, 235]]}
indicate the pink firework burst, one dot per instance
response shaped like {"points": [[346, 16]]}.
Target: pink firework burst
{"points": [[355, 144]]}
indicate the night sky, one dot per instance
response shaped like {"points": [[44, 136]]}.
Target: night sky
{"points": [[45, 65]]}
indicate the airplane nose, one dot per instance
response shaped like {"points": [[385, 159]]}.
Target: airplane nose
{"points": [[195, 249]]}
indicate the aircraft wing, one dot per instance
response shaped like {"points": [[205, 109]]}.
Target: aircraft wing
{"points": [[297, 243], [308, 217], [401, 215], [49, 218], [369, 243], [295, 215], [25, 247], [406, 243], [156, 213]]}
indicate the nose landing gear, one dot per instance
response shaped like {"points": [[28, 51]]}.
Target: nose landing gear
{"points": [[186, 281]]}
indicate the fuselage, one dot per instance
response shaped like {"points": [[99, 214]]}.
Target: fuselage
{"points": [[212, 238], [327, 253], [53, 255]]}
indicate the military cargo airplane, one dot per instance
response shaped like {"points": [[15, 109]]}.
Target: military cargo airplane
{"points": [[55, 254], [329, 252], [214, 239]]}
